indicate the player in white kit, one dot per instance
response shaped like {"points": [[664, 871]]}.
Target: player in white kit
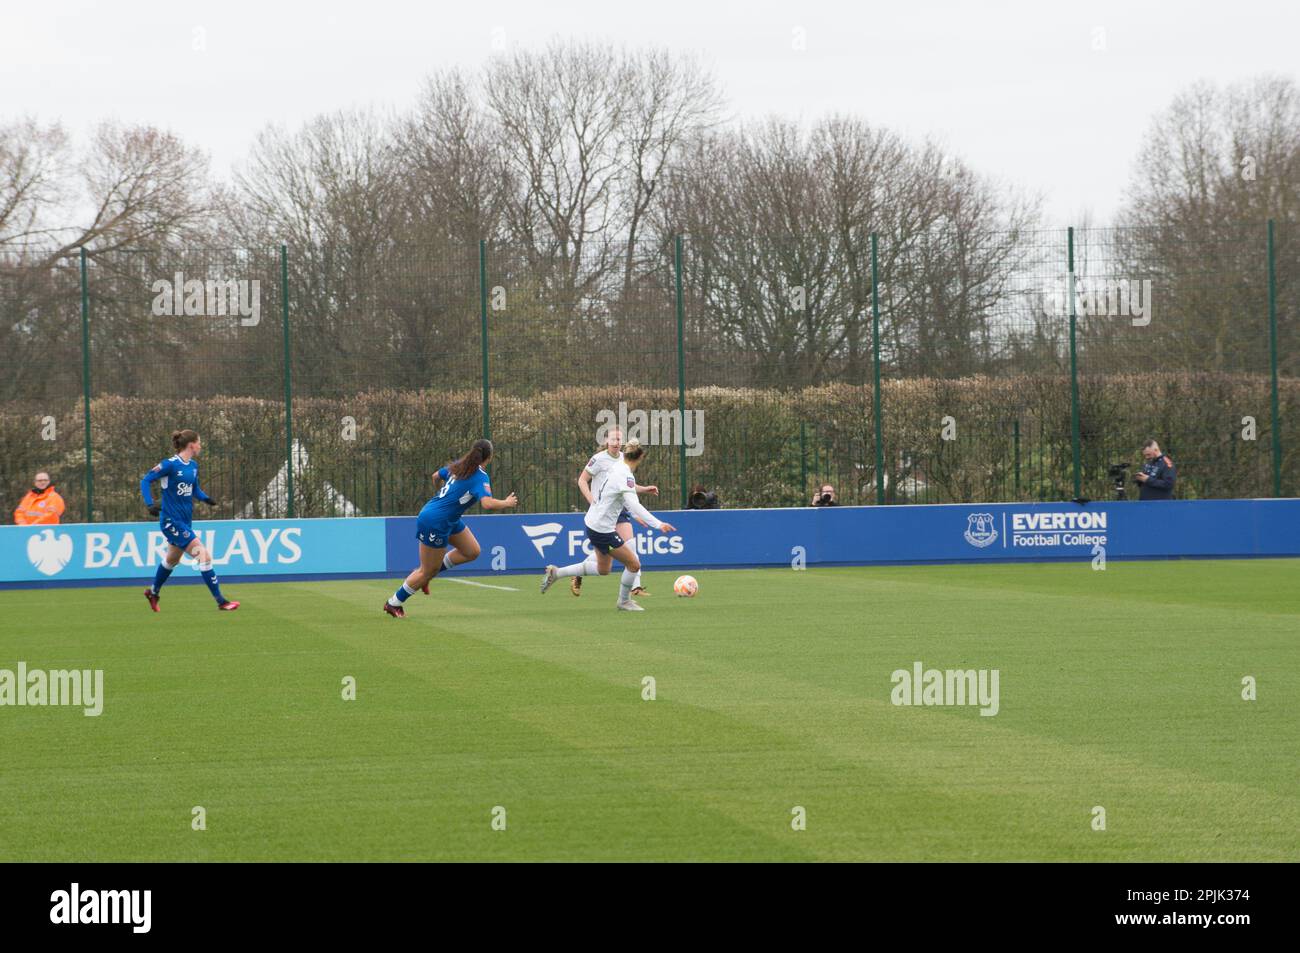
{"points": [[596, 466], [612, 492]]}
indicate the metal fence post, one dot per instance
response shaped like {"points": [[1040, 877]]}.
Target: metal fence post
{"points": [[483, 333], [877, 409], [1015, 437], [85, 387], [681, 362], [803, 457], [1272, 362], [1075, 451], [288, 379]]}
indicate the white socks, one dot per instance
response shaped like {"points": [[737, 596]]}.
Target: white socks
{"points": [[446, 560], [585, 568], [625, 585]]}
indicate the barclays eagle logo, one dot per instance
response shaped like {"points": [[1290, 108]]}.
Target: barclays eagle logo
{"points": [[49, 553]]}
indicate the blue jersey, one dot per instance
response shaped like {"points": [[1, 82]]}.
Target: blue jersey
{"points": [[180, 487], [455, 497]]}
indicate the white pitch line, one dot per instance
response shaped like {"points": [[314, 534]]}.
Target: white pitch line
{"points": [[483, 585]]}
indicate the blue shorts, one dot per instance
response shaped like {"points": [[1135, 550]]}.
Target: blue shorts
{"points": [[434, 533], [178, 534], [604, 542], [624, 517]]}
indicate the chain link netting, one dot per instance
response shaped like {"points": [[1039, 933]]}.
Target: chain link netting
{"points": [[747, 365]]}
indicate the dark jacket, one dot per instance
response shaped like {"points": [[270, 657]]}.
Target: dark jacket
{"points": [[1161, 475]]}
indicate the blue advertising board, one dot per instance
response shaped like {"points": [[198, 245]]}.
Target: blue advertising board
{"points": [[92, 553], [117, 553], [878, 535]]}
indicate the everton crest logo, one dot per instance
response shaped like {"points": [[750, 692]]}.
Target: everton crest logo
{"points": [[979, 530]]}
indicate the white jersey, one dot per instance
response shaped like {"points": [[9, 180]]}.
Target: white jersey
{"points": [[611, 492], [601, 462]]}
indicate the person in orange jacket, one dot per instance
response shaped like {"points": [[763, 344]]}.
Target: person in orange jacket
{"points": [[42, 505]]}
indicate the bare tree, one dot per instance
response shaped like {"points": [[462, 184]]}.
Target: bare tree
{"points": [[560, 114], [336, 194], [1221, 155], [335, 182], [126, 194], [671, 100], [588, 133], [131, 186], [1213, 168], [456, 179], [33, 167], [780, 222]]}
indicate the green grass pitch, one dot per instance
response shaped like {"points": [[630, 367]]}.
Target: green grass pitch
{"points": [[1120, 689]]}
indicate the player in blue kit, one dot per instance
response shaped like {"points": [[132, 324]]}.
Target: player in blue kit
{"points": [[440, 523], [178, 477]]}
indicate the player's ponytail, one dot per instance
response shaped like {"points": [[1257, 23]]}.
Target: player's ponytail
{"points": [[183, 438], [479, 454], [633, 451]]}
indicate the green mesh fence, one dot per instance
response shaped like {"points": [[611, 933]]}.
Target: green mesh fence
{"points": [[975, 348], [1189, 367], [386, 374], [1286, 295], [188, 338], [579, 336], [42, 424], [332, 381], [778, 361]]}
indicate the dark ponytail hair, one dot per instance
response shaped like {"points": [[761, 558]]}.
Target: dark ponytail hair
{"points": [[633, 451], [183, 438], [479, 454]]}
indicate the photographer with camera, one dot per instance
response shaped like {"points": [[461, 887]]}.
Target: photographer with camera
{"points": [[702, 499], [825, 496], [1157, 475]]}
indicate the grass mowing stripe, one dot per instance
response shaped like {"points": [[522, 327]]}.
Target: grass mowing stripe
{"points": [[1052, 762], [711, 676], [773, 691]]}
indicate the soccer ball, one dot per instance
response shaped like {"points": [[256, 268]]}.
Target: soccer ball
{"points": [[686, 586]]}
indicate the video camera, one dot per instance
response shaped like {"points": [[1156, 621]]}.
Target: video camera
{"points": [[1118, 475]]}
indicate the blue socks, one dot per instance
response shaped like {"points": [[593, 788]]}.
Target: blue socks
{"points": [[403, 593], [163, 573], [210, 577], [160, 576]]}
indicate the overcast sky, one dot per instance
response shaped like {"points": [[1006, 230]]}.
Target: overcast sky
{"points": [[1052, 96]]}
